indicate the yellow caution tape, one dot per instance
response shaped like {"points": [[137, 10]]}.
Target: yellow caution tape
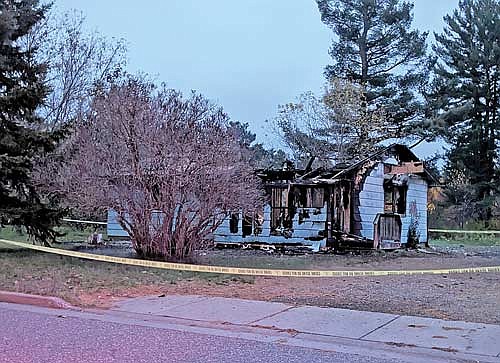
{"points": [[246, 271], [84, 222], [461, 231]]}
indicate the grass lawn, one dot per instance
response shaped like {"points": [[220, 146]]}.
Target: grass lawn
{"points": [[66, 277], [82, 282], [41, 273], [71, 233], [466, 240], [98, 284]]}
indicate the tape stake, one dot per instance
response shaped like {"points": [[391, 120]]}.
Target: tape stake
{"points": [[246, 271]]}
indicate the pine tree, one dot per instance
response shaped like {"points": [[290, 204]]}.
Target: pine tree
{"points": [[465, 96], [375, 47], [22, 139], [258, 156]]}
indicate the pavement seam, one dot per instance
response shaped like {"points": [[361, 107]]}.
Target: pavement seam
{"points": [[272, 315], [377, 328]]}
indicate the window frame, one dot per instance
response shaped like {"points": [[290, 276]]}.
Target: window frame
{"points": [[398, 198]]}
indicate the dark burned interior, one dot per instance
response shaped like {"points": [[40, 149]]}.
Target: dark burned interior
{"points": [[296, 191]]}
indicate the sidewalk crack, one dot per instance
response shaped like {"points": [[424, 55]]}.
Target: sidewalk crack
{"points": [[270, 316], [377, 328]]}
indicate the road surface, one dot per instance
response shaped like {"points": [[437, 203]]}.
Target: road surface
{"points": [[28, 335]]}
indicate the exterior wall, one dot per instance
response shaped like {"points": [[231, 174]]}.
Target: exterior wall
{"points": [[113, 228], [309, 227], [417, 191], [371, 202], [310, 230]]}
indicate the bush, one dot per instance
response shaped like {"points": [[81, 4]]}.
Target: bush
{"points": [[413, 232], [166, 164]]}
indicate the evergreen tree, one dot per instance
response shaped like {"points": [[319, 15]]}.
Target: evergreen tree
{"points": [[465, 97], [22, 139], [258, 156], [375, 47]]}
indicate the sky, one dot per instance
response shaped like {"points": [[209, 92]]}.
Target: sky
{"points": [[247, 55]]}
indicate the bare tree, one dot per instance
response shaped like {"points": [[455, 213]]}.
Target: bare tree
{"points": [[298, 127], [336, 128], [78, 61], [166, 164], [357, 128], [463, 207]]}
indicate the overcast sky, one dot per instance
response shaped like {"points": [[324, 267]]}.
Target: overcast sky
{"points": [[247, 55]]}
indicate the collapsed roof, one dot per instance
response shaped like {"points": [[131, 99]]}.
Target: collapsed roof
{"points": [[401, 154]]}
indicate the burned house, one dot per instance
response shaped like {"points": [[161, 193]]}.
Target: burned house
{"points": [[369, 204]]}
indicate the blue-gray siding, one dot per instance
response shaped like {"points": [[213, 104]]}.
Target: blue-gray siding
{"points": [[309, 228], [114, 228], [371, 202]]}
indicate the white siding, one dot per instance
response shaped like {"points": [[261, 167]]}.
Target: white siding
{"points": [[113, 228], [371, 200], [417, 191], [309, 228]]}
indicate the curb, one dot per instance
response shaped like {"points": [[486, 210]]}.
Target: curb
{"points": [[36, 300]]}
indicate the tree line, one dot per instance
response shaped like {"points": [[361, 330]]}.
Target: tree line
{"points": [[79, 134], [386, 83]]}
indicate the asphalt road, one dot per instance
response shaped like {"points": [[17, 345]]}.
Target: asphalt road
{"points": [[29, 336]]}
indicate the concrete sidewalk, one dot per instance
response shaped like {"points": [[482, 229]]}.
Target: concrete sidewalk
{"points": [[455, 339]]}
